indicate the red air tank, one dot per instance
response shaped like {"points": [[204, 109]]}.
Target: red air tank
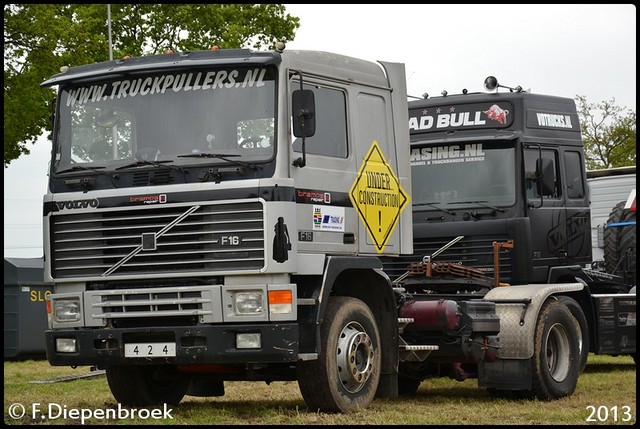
{"points": [[440, 315]]}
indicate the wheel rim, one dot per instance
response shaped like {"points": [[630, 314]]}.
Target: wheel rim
{"points": [[354, 357], [558, 349]]}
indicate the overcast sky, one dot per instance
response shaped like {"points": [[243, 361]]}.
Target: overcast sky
{"points": [[563, 50]]}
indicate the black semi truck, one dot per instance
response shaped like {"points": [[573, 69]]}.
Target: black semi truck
{"points": [[501, 214]]}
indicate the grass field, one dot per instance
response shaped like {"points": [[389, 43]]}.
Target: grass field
{"points": [[605, 395]]}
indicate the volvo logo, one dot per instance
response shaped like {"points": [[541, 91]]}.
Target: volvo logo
{"points": [[77, 204]]}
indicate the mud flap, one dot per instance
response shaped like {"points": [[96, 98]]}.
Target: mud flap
{"points": [[505, 374]]}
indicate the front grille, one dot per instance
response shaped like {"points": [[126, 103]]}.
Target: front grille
{"points": [[155, 306], [168, 303], [177, 239], [476, 252]]}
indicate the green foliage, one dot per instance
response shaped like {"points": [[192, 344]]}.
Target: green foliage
{"points": [[40, 38], [608, 132]]}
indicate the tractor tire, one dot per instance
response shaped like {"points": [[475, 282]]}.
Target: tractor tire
{"points": [[556, 355], [620, 241], [346, 374], [144, 386]]}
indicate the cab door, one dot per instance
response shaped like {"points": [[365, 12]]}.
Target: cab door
{"points": [[578, 228], [546, 210]]}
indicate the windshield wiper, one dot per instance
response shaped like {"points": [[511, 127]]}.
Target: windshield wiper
{"points": [[481, 203], [433, 205], [222, 156], [141, 162], [86, 182], [82, 168], [157, 164]]}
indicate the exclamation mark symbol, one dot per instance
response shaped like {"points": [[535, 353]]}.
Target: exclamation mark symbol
{"points": [[379, 221]]}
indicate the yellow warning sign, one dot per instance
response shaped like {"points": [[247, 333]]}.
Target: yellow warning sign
{"points": [[378, 197]]}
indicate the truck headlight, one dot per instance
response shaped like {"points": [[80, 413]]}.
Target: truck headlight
{"points": [[247, 303], [66, 310]]}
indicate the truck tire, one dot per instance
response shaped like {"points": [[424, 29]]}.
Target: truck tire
{"points": [[556, 355], [618, 240], [583, 338], [138, 386], [346, 374]]}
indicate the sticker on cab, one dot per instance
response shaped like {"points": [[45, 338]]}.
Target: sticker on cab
{"points": [[378, 196]]}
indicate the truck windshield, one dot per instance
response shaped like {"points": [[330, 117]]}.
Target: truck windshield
{"points": [[162, 117], [463, 175]]}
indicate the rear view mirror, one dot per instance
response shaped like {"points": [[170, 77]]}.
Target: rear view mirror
{"points": [[304, 113]]}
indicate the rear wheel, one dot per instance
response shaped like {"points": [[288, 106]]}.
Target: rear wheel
{"points": [[145, 385], [556, 356], [583, 337], [346, 374]]}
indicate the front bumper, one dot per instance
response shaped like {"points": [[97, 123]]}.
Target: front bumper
{"points": [[207, 344]]}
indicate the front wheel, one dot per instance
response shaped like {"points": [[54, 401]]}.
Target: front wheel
{"points": [[145, 385], [556, 356], [346, 374]]}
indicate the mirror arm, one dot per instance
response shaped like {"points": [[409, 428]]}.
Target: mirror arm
{"points": [[302, 161]]}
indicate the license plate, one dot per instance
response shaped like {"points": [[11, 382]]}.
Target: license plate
{"points": [[149, 349]]}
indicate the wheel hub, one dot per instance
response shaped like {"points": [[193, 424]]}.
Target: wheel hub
{"points": [[558, 351], [354, 357]]}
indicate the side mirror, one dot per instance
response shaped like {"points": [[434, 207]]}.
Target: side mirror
{"points": [[304, 113]]}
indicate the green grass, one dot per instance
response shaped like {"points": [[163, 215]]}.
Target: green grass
{"points": [[608, 385]]}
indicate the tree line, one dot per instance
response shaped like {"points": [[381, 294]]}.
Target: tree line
{"points": [[40, 38]]}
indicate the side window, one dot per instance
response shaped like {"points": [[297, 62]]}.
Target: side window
{"points": [[530, 157], [575, 182], [330, 138]]}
